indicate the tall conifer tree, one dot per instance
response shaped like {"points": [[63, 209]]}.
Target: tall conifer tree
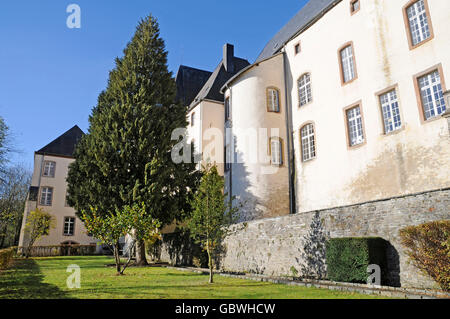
{"points": [[126, 156]]}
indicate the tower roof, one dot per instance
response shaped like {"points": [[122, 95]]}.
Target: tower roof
{"points": [[63, 145], [227, 68], [189, 82]]}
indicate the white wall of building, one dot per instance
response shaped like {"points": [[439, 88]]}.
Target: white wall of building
{"points": [[414, 159], [261, 188]]}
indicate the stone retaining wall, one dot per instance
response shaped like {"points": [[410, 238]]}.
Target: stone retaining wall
{"points": [[275, 246]]}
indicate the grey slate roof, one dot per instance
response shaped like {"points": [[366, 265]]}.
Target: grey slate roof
{"points": [[63, 145], [189, 82], [211, 89], [308, 14]]}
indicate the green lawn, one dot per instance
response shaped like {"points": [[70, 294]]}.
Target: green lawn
{"points": [[46, 278]]}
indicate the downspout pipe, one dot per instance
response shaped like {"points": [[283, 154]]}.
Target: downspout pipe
{"points": [[289, 138]]}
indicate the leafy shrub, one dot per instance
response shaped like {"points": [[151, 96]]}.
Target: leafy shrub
{"points": [[348, 258], [428, 246], [6, 256]]}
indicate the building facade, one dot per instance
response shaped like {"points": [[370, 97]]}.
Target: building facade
{"points": [[200, 92], [49, 189], [363, 83], [340, 122]]}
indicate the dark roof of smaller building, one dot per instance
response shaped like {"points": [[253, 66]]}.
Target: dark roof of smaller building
{"points": [[63, 145], [189, 82], [307, 15], [211, 89]]}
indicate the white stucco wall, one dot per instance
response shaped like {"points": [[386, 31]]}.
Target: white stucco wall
{"points": [[415, 159], [263, 189], [208, 131]]}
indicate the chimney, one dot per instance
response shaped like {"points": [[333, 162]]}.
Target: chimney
{"points": [[228, 55]]}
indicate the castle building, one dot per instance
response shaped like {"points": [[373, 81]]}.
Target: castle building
{"points": [[340, 122], [356, 88], [48, 192]]}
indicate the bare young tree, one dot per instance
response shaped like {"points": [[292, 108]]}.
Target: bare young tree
{"points": [[13, 193]]}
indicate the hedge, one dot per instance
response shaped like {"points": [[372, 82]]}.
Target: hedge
{"points": [[348, 258], [428, 246], [6, 257]]}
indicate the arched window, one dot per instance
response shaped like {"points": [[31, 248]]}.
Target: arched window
{"points": [[308, 142], [347, 62], [304, 89], [276, 151], [273, 100]]}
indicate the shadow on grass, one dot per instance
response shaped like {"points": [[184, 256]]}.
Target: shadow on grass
{"points": [[25, 281]]}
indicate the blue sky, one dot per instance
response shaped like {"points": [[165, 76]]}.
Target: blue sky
{"points": [[50, 75]]}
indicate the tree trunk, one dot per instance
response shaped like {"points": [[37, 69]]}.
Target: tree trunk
{"points": [[117, 259], [141, 259], [210, 264]]}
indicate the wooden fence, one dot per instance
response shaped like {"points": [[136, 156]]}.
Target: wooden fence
{"points": [[60, 250]]}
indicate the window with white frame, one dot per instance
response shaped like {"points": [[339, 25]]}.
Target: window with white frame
{"points": [[276, 151], [419, 27], [49, 169], [391, 111], [348, 64], [273, 100], [432, 96], [355, 126], [308, 142], [46, 196], [304, 89], [69, 226]]}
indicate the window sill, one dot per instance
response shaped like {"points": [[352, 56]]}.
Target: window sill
{"points": [[434, 119], [349, 82], [412, 47], [356, 146], [305, 162], [305, 105], [395, 132]]}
